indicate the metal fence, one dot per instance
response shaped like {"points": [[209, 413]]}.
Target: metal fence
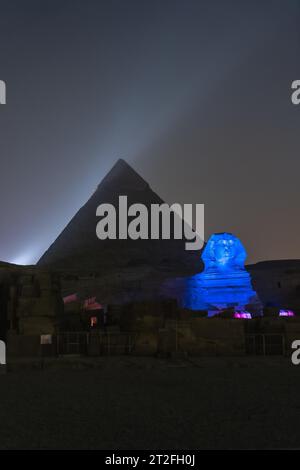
{"points": [[95, 343], [266, 344], [101, 343], [111, 343], [72, 342]]}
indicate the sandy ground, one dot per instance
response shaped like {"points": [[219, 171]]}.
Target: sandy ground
{"points": [[146, 403]]}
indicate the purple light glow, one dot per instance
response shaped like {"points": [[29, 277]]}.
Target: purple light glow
{"points": [[286, 313], [243, 315]]}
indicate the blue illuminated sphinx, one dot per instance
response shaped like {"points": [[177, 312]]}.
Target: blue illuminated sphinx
{"points": [[224, 281]]}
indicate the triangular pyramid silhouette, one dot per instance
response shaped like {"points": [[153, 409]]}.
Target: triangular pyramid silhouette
{"points": [[78, 248]]}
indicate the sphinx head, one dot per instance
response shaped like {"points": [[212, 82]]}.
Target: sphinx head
{"points": [[224, 252]]}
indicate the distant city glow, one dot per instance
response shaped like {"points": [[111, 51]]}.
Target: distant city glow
{"points": [[286, 313], [243, 315], [24, 259]]}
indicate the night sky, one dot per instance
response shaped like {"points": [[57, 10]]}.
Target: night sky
{"points": [[195, 95]]}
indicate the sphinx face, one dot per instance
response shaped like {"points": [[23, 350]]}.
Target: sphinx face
{"points": [[224, 252]]}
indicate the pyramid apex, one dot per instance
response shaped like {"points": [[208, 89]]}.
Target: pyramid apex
{"points": [[121, 161], [123, 175]]}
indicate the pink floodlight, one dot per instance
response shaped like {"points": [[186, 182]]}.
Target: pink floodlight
{"points": [[286, 313], [243, 315]]}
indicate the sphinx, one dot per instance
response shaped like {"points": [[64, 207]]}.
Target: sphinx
{"points": [[224, 282]]}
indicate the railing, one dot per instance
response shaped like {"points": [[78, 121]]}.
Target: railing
{"points": [[106, 343], [72, 342], [96, 343], [265, 344], [111, 343]]}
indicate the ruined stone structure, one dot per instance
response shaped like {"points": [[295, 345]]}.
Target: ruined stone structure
{"points": [[277, 282], [31, 304]]}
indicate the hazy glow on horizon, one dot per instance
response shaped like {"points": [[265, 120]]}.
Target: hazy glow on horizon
{"points": [[24, 259]]}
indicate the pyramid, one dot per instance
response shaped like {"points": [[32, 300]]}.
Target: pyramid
{"points": [[78, 248]]}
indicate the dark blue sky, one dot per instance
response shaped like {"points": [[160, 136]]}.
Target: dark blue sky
{"points": [[194, 94]]}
